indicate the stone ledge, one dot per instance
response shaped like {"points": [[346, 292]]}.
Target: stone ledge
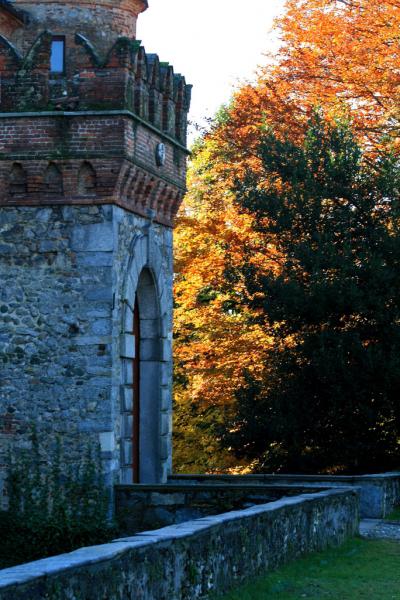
{"points": [[280, 477]]}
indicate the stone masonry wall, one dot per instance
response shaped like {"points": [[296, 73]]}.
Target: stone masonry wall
{"points": [[92, 173], [391, 497], [379, 493], [193, 560], [64, 275]]}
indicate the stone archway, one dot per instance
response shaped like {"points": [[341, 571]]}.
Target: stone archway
{"points": [[146, 366]]}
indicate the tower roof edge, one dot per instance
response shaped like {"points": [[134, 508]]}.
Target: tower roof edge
{"points": [[103, 20], [143, 3]]}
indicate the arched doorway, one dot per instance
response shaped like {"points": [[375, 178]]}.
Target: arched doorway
{"points": [[141, 414], [147, 281], [136, 396]]}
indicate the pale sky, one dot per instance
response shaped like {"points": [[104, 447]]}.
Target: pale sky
{"points": [[214, 43]]}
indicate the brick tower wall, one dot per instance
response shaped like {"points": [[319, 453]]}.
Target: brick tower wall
{"points": [[111, 111], [101, 21]]}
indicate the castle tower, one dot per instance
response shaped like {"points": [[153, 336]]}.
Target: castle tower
{"points": [[102, 21], [92, 173]]}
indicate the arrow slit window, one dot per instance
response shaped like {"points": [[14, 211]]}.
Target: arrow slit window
{"points": [[57, 55]]}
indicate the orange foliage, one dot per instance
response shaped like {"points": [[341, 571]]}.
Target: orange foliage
{"points": [[214, 355], [341, 55], [215, 338]]}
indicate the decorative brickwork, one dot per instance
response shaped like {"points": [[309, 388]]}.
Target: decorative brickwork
{"points": [[111, 109]]}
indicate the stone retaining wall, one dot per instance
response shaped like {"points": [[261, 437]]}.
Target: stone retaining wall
{"points": [[140, 507], [193, 560], [379, 493]]}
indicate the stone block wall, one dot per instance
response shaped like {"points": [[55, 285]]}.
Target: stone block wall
{"points": [[92, 173], [193, 560], [68, 278]]}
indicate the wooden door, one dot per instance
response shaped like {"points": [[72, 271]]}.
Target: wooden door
{"points": [[136, 397]]}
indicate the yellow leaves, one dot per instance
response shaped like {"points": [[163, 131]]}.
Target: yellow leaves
{"points": [[347, 52], [214, 339]]}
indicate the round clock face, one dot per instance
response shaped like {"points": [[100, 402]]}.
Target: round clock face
{"points": [[160, 155]]}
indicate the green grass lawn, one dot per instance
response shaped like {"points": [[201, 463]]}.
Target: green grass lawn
{"points": [[395, 515], [360, 569]]}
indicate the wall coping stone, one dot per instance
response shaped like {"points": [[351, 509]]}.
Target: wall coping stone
{"points": [[380, 492], [266, 476], [170, 488]]}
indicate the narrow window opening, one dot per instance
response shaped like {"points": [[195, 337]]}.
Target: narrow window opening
{"points": [[57, 55]]}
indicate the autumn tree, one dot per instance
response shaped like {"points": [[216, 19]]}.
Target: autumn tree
{"points": [[215, 338], [329, 400], [341, 55], [338, 55]]}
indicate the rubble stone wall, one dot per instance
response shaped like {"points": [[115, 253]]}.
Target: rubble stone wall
{"points": [[68, 278]]}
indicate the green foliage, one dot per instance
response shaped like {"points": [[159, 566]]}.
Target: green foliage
{"points": [[329, 400], [358, 569], [53, 509], [394, 515]]}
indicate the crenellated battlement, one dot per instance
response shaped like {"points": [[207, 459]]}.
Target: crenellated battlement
{"points": [[126, 78], [111, 108]]}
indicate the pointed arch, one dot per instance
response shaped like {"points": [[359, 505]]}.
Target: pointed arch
{"points": [[141, 67], [123, 48], [155, 96], [53, 181], [145, 431], [41, 43], [18, 180], [81, 40], [87, 179], [146, 410], [167, 86], [12, 50], [180, 116], [141, 90], [154, 70]]}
